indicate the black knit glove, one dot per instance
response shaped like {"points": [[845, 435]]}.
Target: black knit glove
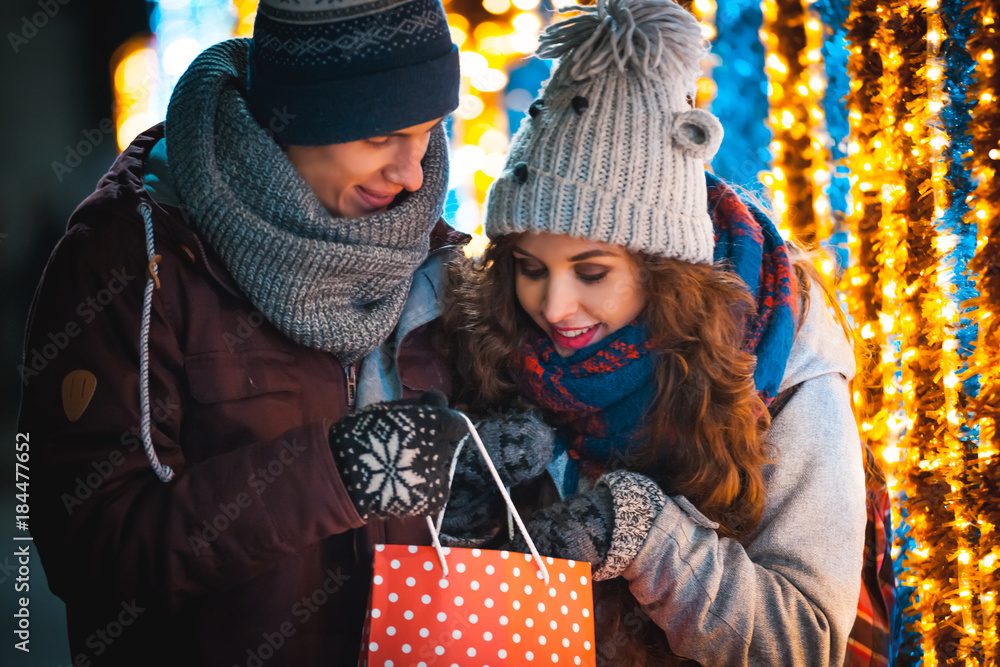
{"points": [[520, 445], [605, 526], [394, 457]]}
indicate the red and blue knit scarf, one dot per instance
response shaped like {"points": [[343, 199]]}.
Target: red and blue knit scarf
{"points": [[599, 395]]}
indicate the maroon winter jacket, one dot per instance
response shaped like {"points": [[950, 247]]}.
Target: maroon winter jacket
{"points": [[254, 554]]}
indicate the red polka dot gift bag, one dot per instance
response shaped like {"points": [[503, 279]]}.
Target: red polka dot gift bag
{"points": [[447, 606]]}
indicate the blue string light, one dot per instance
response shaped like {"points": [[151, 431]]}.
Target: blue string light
{"points": [[741, 104]]}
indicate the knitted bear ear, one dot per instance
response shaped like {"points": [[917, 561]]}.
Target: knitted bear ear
{"points": [[697, 133]]}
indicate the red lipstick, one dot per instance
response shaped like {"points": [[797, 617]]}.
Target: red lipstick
{"points": [[576, 342]]}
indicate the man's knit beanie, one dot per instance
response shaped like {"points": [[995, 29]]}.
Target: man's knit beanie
{"points": [[613, 151], [333, 71]]}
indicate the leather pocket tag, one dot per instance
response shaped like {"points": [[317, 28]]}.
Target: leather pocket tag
{"points": [[77, 390]]}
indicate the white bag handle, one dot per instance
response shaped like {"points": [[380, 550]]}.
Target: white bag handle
{"points": [[435, 529]]}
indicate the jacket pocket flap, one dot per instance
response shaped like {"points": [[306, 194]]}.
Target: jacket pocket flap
{"points": [[229, 376]]}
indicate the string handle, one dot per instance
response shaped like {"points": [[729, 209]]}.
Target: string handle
{"points": [[436, 529]]}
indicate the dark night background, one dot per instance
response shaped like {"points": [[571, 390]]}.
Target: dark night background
{"points": [[56, 87]]}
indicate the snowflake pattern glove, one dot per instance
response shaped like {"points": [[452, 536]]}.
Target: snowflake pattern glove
{"points": [[394, 457]]}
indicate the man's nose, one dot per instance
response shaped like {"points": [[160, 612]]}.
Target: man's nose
{"points": [[405, 170]]}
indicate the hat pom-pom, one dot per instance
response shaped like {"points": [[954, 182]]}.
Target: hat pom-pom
{"points": [[659, 38]]}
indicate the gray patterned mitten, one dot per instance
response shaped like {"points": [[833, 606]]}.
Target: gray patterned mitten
{"points": [[395, 457], [578, 528], [520, 445], [605, 526]]}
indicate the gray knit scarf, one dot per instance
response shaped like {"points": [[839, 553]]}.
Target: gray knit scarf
{"points": [[335, 284]]}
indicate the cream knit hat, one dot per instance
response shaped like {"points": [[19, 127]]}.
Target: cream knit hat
{"points": [[613, 151]]}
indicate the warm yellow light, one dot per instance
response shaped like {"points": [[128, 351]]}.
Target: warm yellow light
{"points": [[489, 81], [493, 141], [526, 23], [469, 107], [496, 6], [471, 63], [457, 35], [774, 62]]}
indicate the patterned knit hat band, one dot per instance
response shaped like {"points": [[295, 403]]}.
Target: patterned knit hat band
{"points": [[612, 150], [335, 71]]}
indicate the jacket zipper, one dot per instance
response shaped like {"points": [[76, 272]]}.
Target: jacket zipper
{"points": [[352, 387]]}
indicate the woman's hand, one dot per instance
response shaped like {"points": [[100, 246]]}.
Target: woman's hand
{"points": [[605, 526]]}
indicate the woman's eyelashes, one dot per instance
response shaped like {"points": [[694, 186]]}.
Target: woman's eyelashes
{"points": [[529, 269], [534, 271], [591, 273]]}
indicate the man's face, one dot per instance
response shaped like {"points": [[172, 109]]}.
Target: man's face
{"points": [[363, 177]]}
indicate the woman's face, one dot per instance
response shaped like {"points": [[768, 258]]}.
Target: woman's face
{"points": [[577, 291]]}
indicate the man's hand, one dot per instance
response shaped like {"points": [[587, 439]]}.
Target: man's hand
{"points": [[395, 457]]}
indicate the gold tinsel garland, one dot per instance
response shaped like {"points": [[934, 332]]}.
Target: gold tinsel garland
{"points": [[899, 285], [945, 318], [864, 300], [926, 464], [983, 469], [793, 191]]}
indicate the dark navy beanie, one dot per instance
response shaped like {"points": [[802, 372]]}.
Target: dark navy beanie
{"points": [[333, 71]]}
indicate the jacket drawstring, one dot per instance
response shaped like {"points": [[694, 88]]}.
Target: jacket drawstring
{"points": [[164, 472]]}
